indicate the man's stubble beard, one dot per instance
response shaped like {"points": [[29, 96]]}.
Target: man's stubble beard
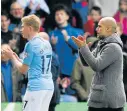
{"points": [[100, 37]]}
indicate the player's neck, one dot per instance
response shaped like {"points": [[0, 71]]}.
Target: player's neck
{"points": [[32, 35]]}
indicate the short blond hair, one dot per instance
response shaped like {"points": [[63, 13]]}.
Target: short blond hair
{"points": [[33, 21]]}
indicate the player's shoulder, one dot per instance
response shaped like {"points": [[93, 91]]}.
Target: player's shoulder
{"points": [[40, 42], [36, 41], [28, 45]]}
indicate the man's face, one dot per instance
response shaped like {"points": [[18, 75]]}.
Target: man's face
{"points": [[123, 6], [17, 11], [61, 17], [95, 15], [4, 22], [25, 30], [101, 30]]}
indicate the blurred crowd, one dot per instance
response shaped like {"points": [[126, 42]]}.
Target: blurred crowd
{"points": [[60, 19]]}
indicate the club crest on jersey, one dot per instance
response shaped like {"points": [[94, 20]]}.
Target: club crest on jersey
{"points": [[25, 55]]}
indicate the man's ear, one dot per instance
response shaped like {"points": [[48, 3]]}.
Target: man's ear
{"points": [[68, 17], [31, 28], [108, 28]]}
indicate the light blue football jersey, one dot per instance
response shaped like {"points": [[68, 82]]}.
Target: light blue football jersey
{"points": [[38, 56]]}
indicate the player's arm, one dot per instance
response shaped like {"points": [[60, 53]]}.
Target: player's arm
{"points": [[16, 61], [17, 57], [22, 68]]}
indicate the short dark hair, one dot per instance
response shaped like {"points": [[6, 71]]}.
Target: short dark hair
{"points": [[58, 7], [4, 13], [96, 8]]}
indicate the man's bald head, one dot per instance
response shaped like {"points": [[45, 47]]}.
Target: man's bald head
{"points": [[109, 22], [44, 35], [106, 27]]}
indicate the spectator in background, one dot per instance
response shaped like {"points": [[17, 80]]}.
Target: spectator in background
{"points": [[82, 7], [8, 37], [9, 79], [76, 20], [108, 7], [121, 15], [42, 15], [52, 3], [32, 6], [124, 40], [36, 7], [55, 69], [5, 5], [81, 80], [50, 22], [122, 36], [62, 42], [16, 13], [125, 72], [91, 25], [44, 35]]}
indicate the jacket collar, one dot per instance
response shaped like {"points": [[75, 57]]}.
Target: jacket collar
{"points": [[114, 38]]}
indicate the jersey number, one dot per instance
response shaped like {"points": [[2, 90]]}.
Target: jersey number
{"points": [[25, 103], [45, 59]]}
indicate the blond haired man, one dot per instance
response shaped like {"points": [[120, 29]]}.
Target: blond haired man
{"points": [[37, 61]]}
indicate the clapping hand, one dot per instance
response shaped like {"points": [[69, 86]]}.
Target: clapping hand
{"points": [[65, 34], [8, 52], [54, 40], [80, 41]]}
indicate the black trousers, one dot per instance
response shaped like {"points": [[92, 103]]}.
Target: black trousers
{"points": [[52, 107], [105, 109]]}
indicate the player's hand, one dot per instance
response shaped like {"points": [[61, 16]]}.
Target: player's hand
{"points": [[54, 40], [9, 53], [65, 34], [16, 56]]}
